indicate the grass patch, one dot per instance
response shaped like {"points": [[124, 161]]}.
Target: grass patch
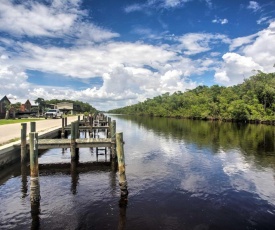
{"points": [[14, 121]]}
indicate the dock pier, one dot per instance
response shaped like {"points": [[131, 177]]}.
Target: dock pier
{"points": [[90, 126]]}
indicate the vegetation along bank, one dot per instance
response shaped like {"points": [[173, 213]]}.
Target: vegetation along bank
{"points": [[252, 101]]}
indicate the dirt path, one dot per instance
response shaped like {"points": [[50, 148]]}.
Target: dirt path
{"points": [[13, 131]]}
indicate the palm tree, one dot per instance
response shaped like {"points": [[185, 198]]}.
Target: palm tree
{"points": [[15, 108], [41, 104], [8, 107]]}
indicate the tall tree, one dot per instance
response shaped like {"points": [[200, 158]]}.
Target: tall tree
{"points": [[8, 107], [41, 105], [15, 108]]}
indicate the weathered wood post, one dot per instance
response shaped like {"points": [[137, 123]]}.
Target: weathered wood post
{"points": [[63, 130], [35, 212], [24, 179], [121, 164], [105, 119], [35, 188], [66, 121], [91, 125], [33, 126], [91, 120], [74, 176], [108, 123], [78, 118], [73, 144], [113, 138], [23, 142], [122, 213], [77, 135]]}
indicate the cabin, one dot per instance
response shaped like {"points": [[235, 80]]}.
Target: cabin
{"points": [[3, 102], [26, 107], [65, 107]]}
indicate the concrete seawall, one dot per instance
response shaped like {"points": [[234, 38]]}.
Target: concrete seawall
{"points": [[11, 153]]}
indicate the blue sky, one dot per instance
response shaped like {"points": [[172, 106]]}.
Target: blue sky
{"points": [[116, 53]]}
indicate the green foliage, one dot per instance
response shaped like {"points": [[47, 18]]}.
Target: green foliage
{"points": [[252, 100]]}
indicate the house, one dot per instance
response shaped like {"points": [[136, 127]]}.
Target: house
{"points": [[3, 102], [26, 107], [65, 107]]}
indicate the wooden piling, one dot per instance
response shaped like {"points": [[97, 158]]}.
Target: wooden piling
{"points": [[113, 138], [34, 171], [33, 126], [77, 135], [91, 125], [66, 121], [121, 164], [63, 130], [74, 176], [108, 123], [73, 137], [24, 179], [77, 129], [91, 120], [23, 142]]}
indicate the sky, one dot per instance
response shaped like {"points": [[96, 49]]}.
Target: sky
{"points": [[111, 54]]}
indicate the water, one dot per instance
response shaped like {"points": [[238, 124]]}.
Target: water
{"points": [[181, 174]]}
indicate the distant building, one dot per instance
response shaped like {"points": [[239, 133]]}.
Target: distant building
{"points": [[3, 102], [65, 107], [26, 107]]}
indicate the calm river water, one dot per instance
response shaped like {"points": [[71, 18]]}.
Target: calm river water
{"points": [[181, 174]]}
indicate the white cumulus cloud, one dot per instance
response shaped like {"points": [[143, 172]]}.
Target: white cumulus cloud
{"points": [[220, 21], [253, 5], [256, 52]]}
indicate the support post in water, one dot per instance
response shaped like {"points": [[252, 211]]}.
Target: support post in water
{"points": [[23, 142], [121, 164], [35, 187], [63, 130], [91, 120], [113, 138], [33, 126], [73, 145], [91, 125], [108, 129], [77, 134]]}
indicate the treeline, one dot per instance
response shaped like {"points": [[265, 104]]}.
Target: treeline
{"points": [[79, 106], [253, 100]]}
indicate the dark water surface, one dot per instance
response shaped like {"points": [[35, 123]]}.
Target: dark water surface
{"points": [[181, 174]]}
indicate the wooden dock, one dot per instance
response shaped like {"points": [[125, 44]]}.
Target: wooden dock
{"points": [[113, 141]]}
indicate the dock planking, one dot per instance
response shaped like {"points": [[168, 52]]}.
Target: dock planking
{"points": [[88, 128], [80, 143]]}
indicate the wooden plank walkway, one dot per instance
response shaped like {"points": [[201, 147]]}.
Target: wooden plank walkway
{"points": [[80, 143], [88, 127]]}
